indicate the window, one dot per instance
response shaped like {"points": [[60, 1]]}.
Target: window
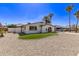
{"points": [[33, 28]]}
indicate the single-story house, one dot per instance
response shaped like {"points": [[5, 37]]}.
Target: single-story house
{"points": [[38, 27], [33, 28]]}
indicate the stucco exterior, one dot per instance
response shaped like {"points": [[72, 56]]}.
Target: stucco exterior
{"points": [[45, 28], [38, 27], [32, 31], [25, 29]]}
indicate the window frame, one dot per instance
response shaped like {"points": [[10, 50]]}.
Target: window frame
{"points": [[32, 28]]}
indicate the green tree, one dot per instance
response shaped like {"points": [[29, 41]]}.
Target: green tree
{"points": [[47, 19], [11, 26], [1, 32], [77, 16], [68, 9]]}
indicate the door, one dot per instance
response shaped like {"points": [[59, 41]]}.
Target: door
{"points": [[49, 29]]}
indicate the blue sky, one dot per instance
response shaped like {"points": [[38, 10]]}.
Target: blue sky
{"points": [[15, 13]]}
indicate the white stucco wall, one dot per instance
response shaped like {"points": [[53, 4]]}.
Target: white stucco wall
{"points": [[27, 31], [46, 27]]}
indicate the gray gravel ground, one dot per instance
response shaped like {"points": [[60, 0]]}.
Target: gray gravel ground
{"points": [[63, 44]]}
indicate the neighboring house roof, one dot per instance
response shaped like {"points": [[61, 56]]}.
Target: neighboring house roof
{"points": [[57, 26]]}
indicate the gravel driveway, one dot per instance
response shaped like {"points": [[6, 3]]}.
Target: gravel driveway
{"points": [[59, 45]]}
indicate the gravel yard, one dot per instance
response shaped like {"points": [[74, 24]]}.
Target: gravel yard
{"points": [[63, 44]]}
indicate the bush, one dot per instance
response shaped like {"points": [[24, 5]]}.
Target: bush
{"points": [[1, 32]]}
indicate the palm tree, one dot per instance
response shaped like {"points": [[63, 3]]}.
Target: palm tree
{"points": [[50, 17], [68, 9], [77, 16], [46, 19]]}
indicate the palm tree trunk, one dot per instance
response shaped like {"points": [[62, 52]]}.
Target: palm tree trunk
{"points": [[76, 26], [69, 22]]}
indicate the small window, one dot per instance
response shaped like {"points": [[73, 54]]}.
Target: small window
{"points": [[32, 27]]}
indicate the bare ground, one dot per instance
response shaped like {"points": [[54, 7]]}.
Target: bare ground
{"points": [[63, 44]]}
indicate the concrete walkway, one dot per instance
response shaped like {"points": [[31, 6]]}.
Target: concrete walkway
{"points": [[62, 44]]}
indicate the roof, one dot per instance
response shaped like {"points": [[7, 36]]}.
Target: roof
{"points": [[35, 23], [41, 23]]}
